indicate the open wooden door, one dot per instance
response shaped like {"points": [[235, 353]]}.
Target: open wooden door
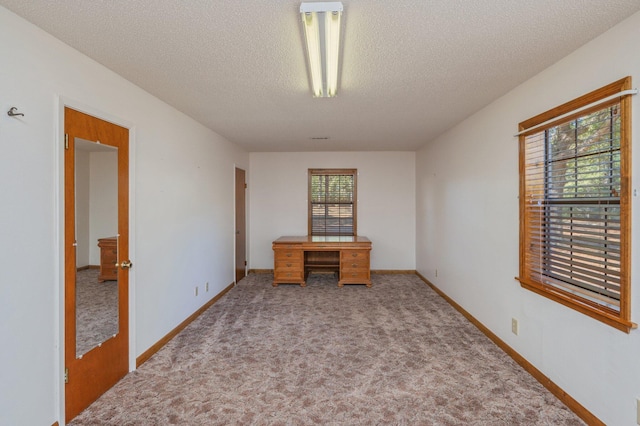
{"points": [[241, 232], [96, 258]]}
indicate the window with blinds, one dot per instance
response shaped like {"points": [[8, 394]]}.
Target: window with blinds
{"points": [[574, 204], [332, 201]]}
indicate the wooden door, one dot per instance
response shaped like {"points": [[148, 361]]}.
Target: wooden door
{"points": [[241, 238], [89, 373]]}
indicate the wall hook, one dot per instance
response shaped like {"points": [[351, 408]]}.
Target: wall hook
{"points": [[12, 112]]}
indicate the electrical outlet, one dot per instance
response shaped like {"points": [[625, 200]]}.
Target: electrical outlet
{"points": [[436, 273], [514, 326], [196, 290], [638, 411], [206, 286]]}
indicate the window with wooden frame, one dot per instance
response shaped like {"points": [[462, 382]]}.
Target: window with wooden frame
{"points": [[575, 210], [332, 202]]}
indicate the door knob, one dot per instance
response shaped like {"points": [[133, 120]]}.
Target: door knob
{"points": [[126, 264]]}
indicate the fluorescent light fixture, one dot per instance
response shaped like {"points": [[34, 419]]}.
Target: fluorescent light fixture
{"points": [[321, 21]]}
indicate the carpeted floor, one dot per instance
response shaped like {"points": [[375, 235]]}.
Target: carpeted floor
{"points": [[96, 310], [394, 354]]}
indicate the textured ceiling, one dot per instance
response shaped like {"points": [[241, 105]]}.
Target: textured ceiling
{"points": [[411, 69]]}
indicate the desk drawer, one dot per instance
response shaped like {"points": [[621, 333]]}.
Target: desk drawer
{"points": [[288, 275], [288, 254], [354, 261], [354, 255], [354, 265], [356, 276], [288, 265]]}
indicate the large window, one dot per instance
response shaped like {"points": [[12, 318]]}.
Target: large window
{"points": [[574, 204], [332, 201]]}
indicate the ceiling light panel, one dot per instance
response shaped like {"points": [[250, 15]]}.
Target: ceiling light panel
{"points": [[321, 22]]}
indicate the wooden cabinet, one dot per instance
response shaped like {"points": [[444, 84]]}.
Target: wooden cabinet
{"points": [[288, 264], [108, 259], [296, 257], [354, 267]]}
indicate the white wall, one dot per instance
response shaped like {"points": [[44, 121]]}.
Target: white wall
{"points": [[103, 200], [467, 229], [83, 215], [278, 189], [182, 211]]}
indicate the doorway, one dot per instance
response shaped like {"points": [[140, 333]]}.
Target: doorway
{"points": [[241, 232], [96, 241]]}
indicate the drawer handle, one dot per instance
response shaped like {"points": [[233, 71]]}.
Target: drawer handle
{"points": [[288, 254], [289, 274], [354, 265], [289, 265], [354, 254], [354, 274]]}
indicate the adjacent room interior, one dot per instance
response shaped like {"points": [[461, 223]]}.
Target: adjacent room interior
{"points": [[434, 182]]}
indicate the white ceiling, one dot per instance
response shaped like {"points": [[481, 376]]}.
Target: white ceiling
{"points": [[411, 69]]}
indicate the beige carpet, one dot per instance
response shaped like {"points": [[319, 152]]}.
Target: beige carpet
{"points": [[394, 354], [96, 310]]}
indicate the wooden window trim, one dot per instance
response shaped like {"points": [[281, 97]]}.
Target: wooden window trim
{"points": [[621, 319], [312, 172]]}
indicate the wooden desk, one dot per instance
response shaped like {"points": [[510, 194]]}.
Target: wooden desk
{"points": [[108, 259], [295, 257]]}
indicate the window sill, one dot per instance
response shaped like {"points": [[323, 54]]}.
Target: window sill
{"points": [[602, 314]]}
